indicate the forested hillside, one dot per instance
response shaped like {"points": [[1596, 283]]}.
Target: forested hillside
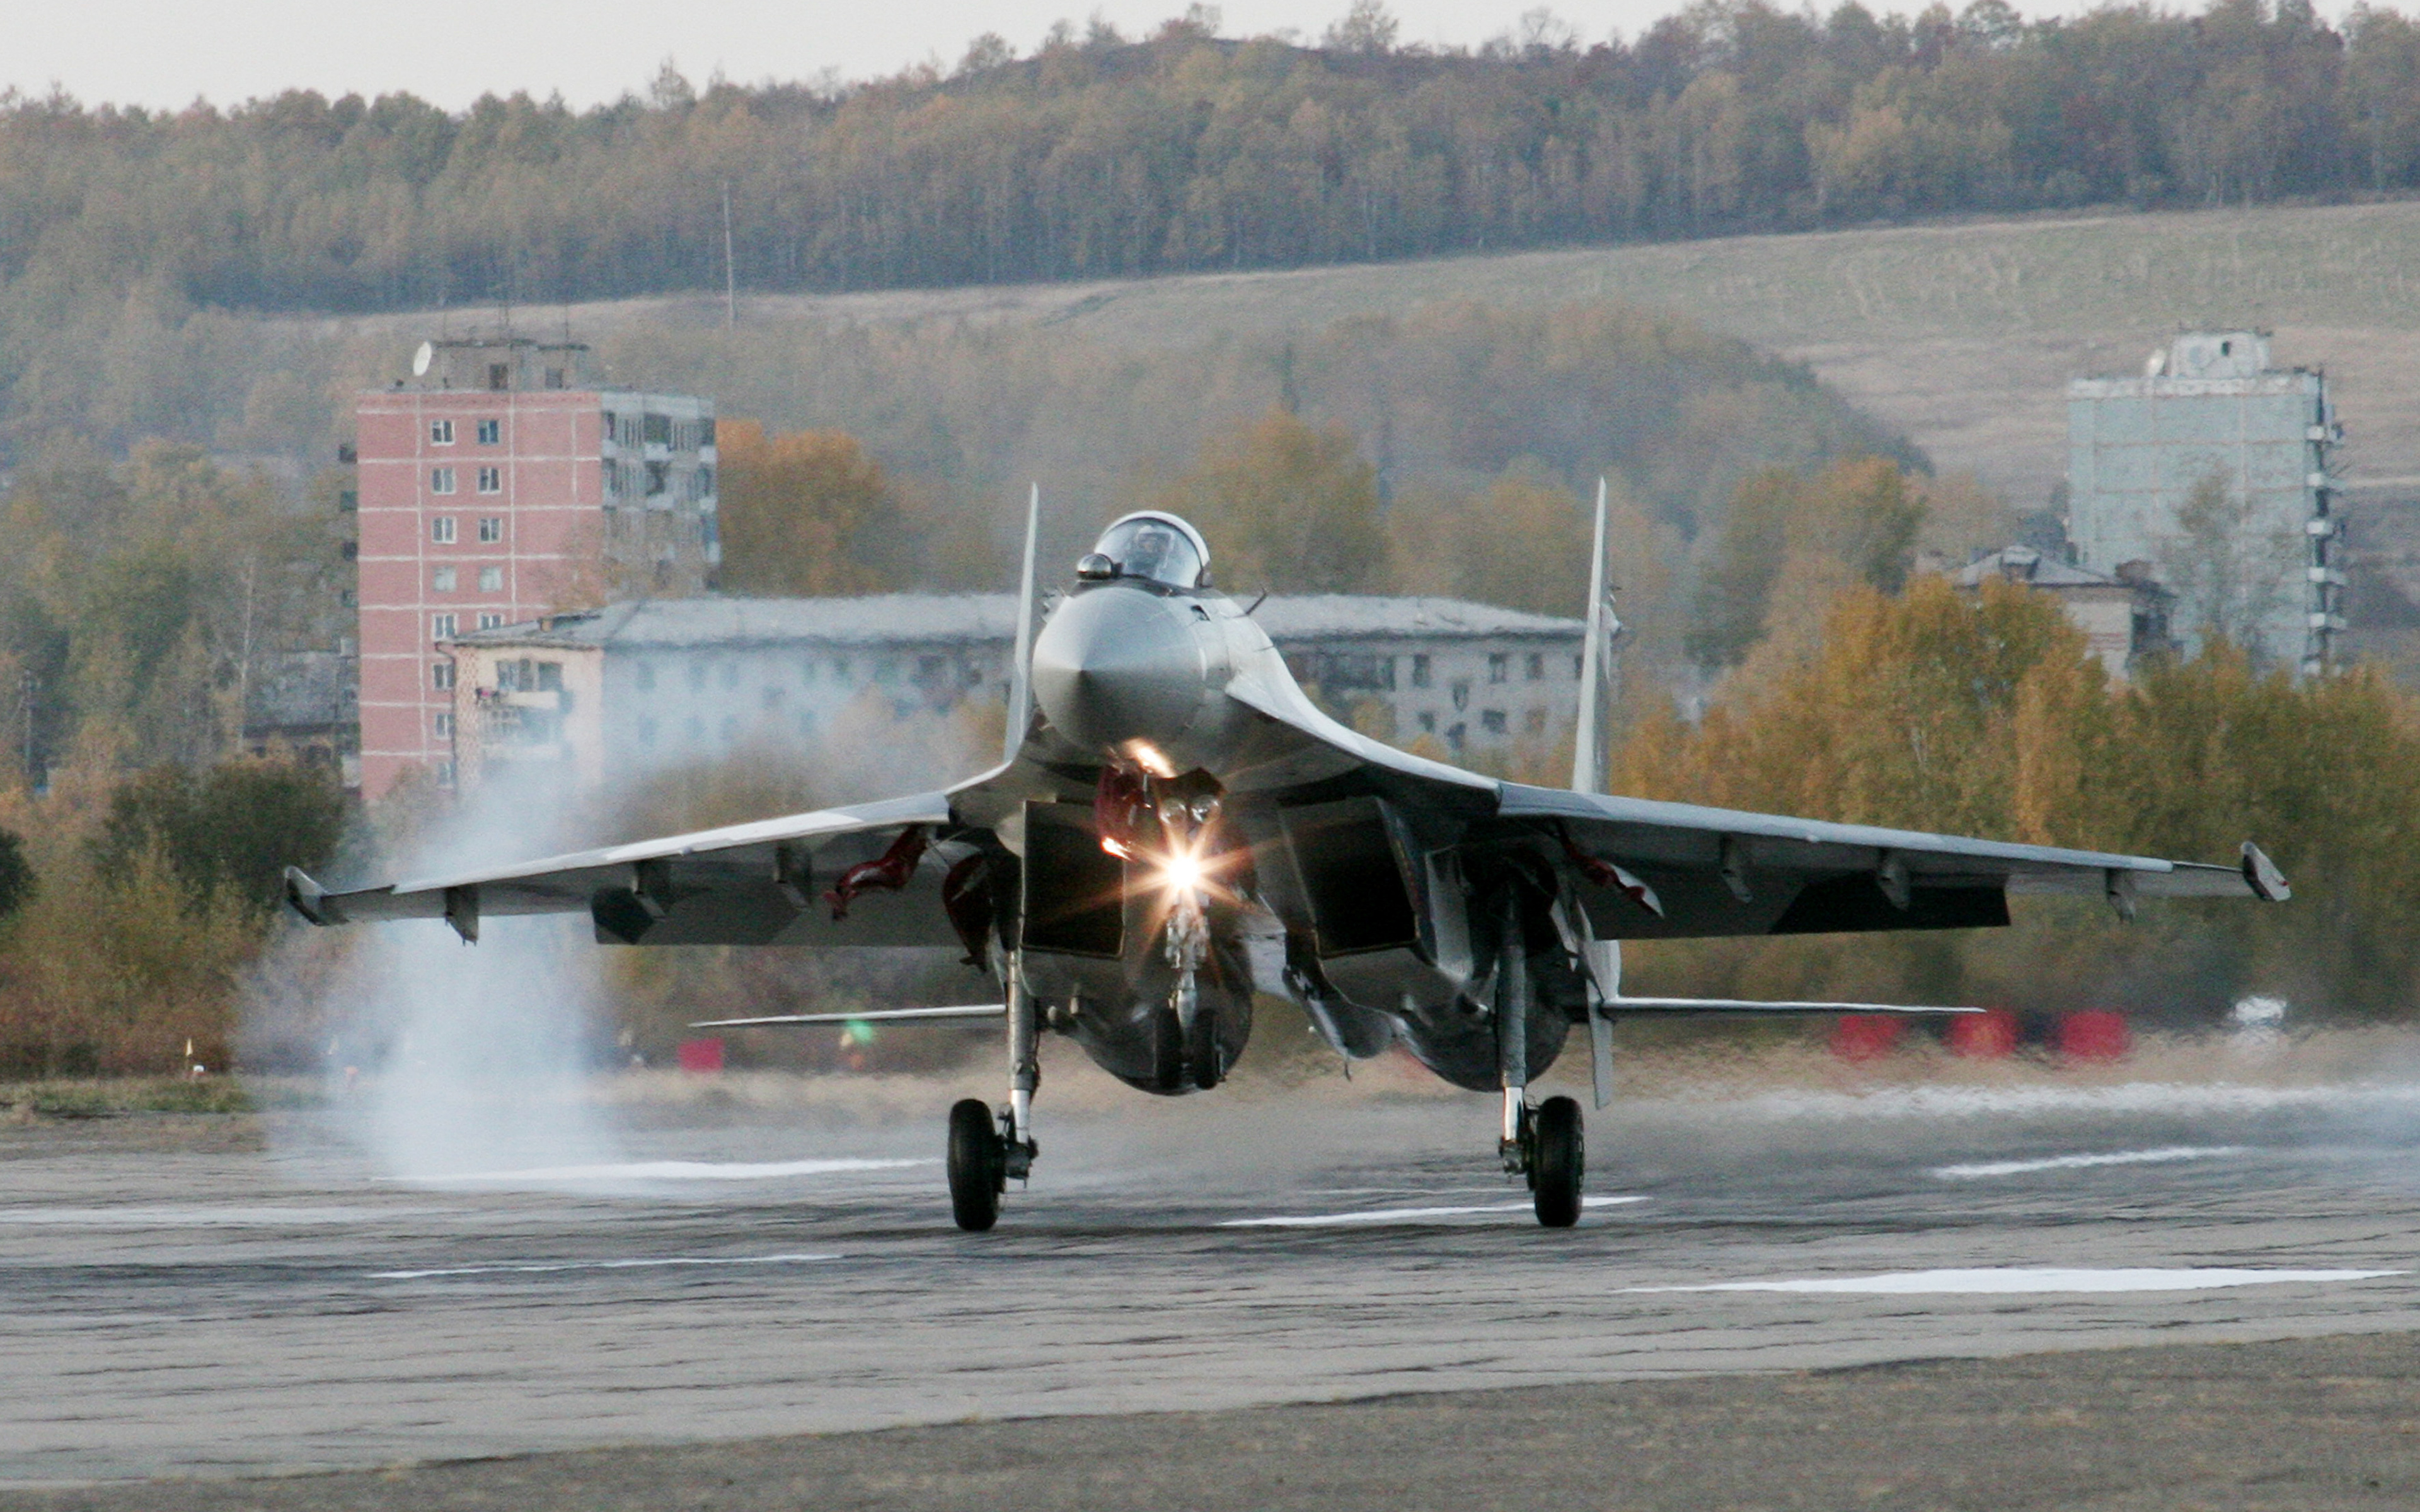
{"points": [[1101, 156]]}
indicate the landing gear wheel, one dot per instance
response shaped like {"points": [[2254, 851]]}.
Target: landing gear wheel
{"points": [[1203, 1054], [1557, 1161], [978, 1166], [1167, 1050]]}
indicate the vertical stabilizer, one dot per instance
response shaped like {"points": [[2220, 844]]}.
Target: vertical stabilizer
{"points": [[1587, 759], [1020, 666]]}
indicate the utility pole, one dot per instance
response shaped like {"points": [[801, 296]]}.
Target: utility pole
{"points": [[730, 274]]}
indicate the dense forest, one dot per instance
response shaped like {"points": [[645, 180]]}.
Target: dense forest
{"points": [[1100, 155]]}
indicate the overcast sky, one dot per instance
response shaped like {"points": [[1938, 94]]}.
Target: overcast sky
{"points": [[167, 53]]}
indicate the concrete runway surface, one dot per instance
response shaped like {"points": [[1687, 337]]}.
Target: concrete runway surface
{"points": [[174, 1302]]}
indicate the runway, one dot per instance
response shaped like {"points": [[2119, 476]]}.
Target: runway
{"points": [[175, 1303]]}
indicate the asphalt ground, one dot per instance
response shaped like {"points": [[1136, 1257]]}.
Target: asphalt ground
{"points": [[1732, 1323]]}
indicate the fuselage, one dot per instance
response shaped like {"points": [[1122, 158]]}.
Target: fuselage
{"points": [[1175, 694]]}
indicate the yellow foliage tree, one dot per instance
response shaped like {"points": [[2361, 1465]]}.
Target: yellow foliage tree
{"points": [[803, 512], [1292, 506]]}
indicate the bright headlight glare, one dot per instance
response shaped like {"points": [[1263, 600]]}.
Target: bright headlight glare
{"points": [[1181, 872]]}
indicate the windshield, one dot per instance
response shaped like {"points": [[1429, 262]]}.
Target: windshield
{"points": [[1156, 548]]}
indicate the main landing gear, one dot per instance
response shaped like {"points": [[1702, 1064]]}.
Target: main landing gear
{"points": [[1548, 1147], [1546, 1144], [988, 1152]]}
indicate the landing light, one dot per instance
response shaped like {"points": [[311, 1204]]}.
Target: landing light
{"points": [[1181, 872]]}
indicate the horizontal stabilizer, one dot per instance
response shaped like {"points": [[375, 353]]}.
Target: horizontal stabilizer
{"points": [[1733, 1004], [872, 1016]]}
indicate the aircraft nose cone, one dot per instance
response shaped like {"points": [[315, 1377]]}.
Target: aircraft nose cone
{"points": [[1118, 664]]}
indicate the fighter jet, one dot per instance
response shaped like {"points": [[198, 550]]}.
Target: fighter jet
{"points": [[1175, 826]]}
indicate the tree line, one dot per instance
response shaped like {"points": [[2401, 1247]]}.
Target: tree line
{"points": [[1100, 155]]}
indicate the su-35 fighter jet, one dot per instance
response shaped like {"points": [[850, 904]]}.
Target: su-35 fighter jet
{"points": [[1176, 827]]}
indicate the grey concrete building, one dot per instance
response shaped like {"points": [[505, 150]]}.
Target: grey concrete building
{"points": [[2209, 473], [642, 684]]}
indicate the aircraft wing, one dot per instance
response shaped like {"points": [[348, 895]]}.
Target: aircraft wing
{"points": [[871, 874], [1694, 870]]}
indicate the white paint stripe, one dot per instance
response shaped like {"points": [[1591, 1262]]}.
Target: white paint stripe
{"points": [[2036, 1279], [2077, 1163], [201, 1215], [599, 1265], [681, 1171], [1403, 1215]]}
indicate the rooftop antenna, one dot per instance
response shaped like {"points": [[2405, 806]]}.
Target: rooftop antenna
{"points": [[1020, 679], [1587, 760]]}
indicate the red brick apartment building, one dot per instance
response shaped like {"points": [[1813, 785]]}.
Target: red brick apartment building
{"points": [[496, 483]]}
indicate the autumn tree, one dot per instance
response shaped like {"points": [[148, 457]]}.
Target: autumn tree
{"points": [[1855, 520], [807, 513], [1286, 505]]}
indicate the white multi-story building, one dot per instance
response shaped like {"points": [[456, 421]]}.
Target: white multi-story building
{"points": [[2209, 411], [634, 685]]}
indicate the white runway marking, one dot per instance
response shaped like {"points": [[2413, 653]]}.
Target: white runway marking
{"points": [[599, 1265], [205, 1216], [681, 1171], [2077, 1163], [2012, 1280], [1403, 1215]]}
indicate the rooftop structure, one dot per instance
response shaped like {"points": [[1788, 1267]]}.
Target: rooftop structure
{"points": [[643, 682], [2209, 473], [497, 482], [2124, 617]]}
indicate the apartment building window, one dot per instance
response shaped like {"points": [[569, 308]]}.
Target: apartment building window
{"points": [[1420, 673], [445, 727], [1537, 666], [440, 628], [491, 432], [658, 429], [492, 529], [445, 774], [491, 622], [1428, 722], [706, 431], [440, 675], [440, 433], [441, 581], [491, 579], [658, 478], [706, 483], [1492, 721], [440, 530], [441, 480], [1500, 666], [611, 474], [491, 480]]}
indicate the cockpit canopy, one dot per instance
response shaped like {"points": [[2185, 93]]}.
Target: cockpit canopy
{"points": [[1159, 548]]}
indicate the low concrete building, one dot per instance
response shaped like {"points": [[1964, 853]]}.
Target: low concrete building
{"points": [[635, 686], [2124, 617]]}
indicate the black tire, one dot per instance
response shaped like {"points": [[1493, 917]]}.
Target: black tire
{"points": [[1557, 1161], [1203, 1054], [978, 1167], [1167, 1051]]}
